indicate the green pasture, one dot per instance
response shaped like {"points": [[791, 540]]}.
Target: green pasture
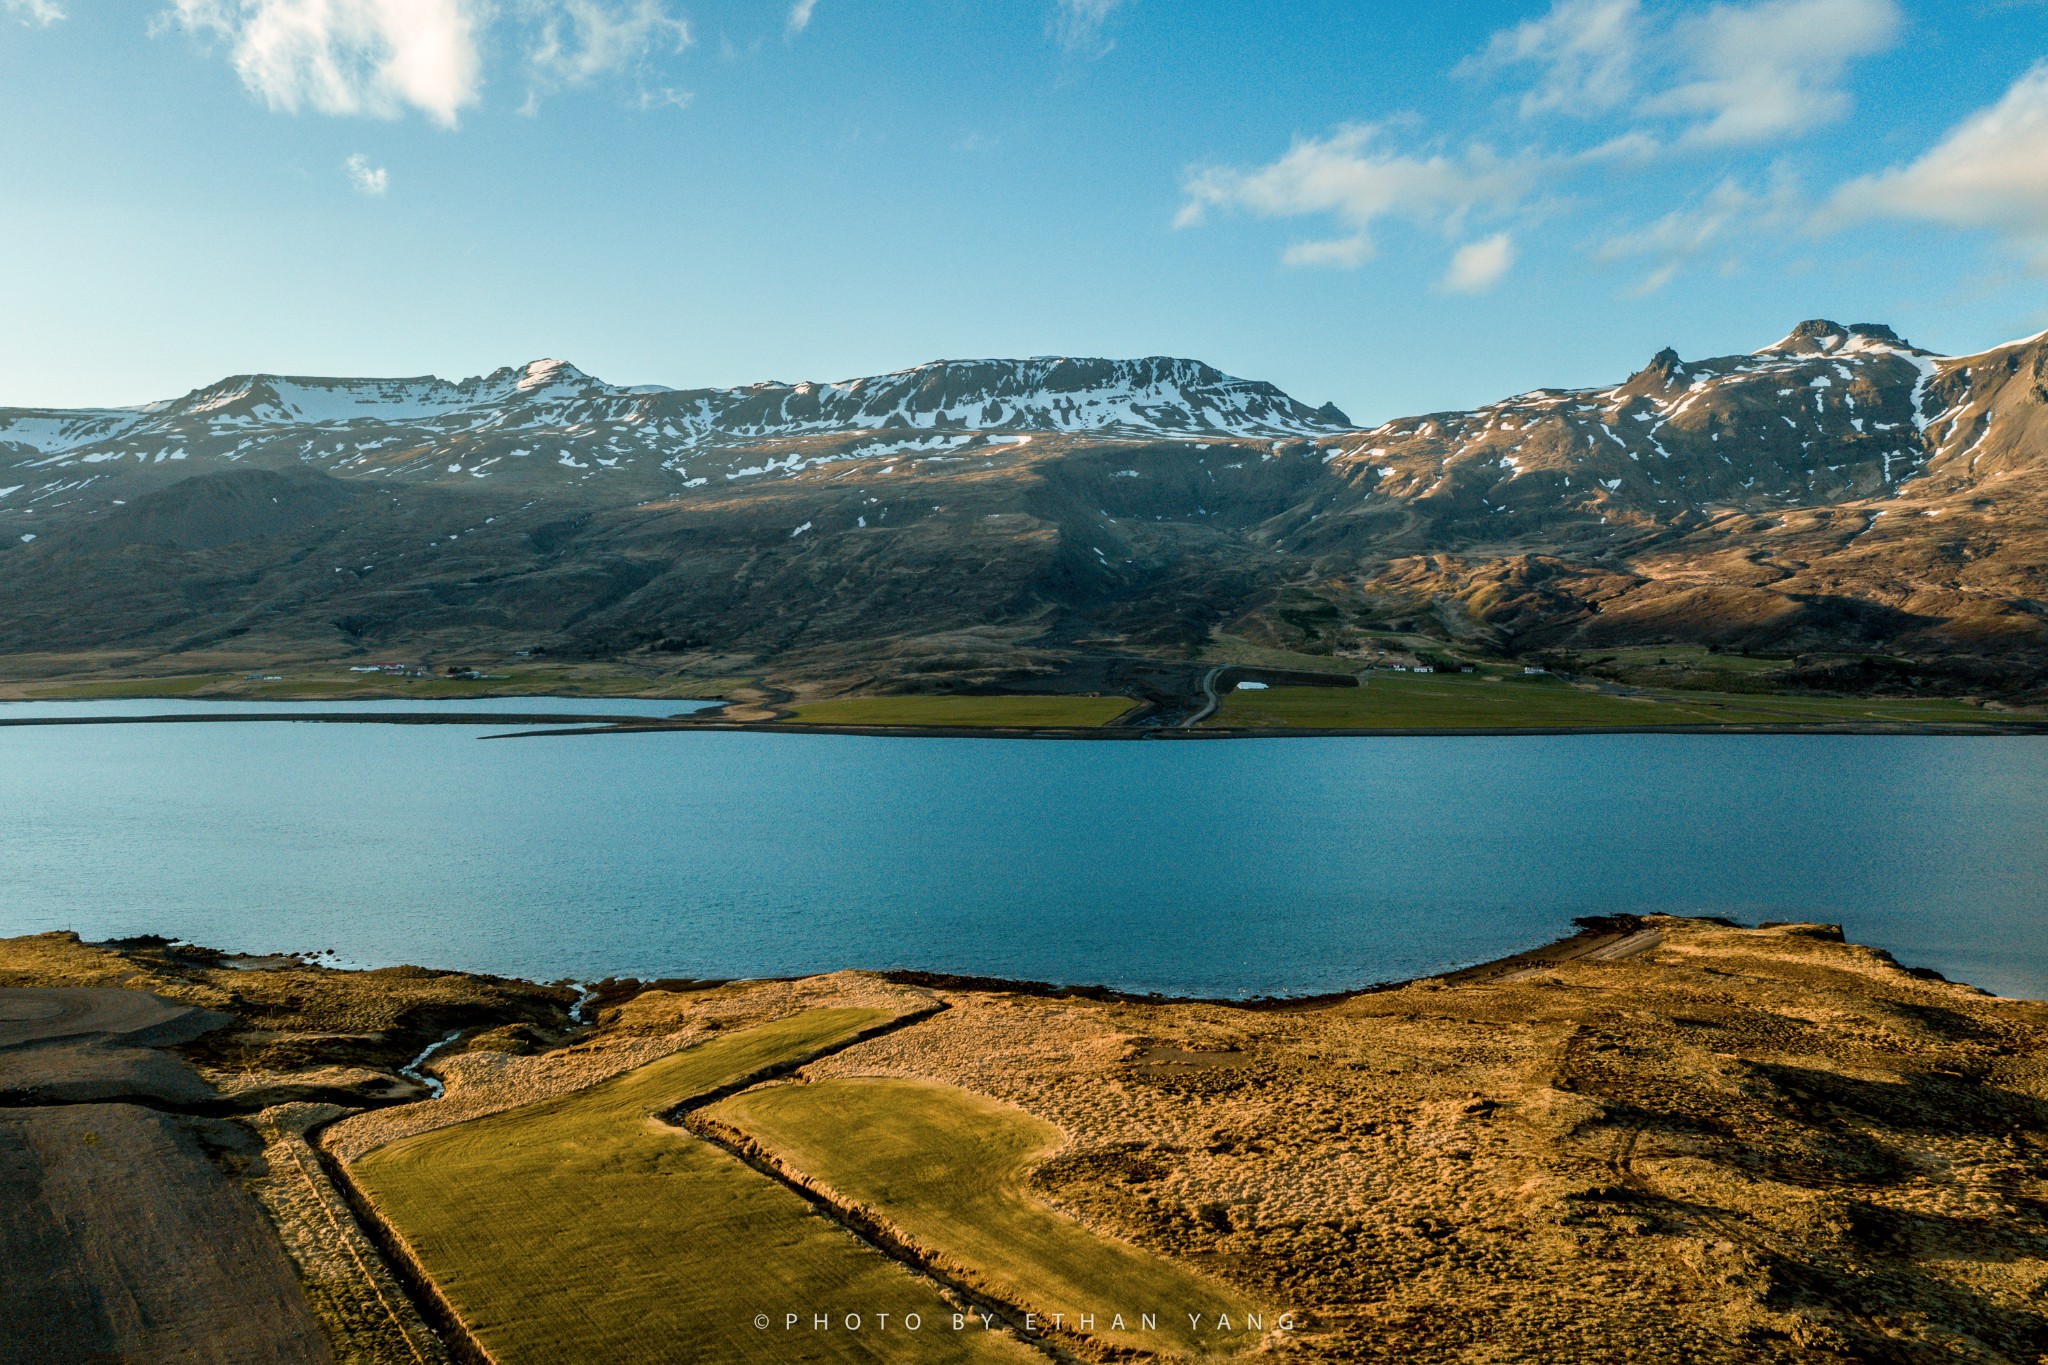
{"points": [[950, 710], [1477, 701], [118, 688], [332, 684], [948, 1169], [1693, 657], [583, 1229]]}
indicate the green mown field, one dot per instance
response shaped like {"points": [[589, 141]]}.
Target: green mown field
{"points": [[582, 1229], [298, 683], [948, 1170], [125, 688], [1476, 701], [1022, 711]]}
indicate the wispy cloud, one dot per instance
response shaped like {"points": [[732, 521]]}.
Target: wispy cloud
{"points": [[575, 41], [367, 179], [1710, 225], [1727, 73], [383, 58], [1077, 26], [1586, 52], [1988, 172], [800, 16], [1355, 177], [36, 13], [1765, 70], [1657, 84], [666, 97]]}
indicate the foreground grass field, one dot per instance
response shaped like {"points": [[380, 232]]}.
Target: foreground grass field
{"points": [[1459, 701], [947, 1169], [1023, 711], [582, 1229]]}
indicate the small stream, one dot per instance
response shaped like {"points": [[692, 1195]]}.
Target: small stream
{"points": [[412, 1068]]}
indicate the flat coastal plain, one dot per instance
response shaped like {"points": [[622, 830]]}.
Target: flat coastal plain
{"points": [[1666, 1140]]}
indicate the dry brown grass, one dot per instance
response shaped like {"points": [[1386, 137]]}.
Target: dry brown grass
{"points": [[1724, 1145], [1737, 1146]]}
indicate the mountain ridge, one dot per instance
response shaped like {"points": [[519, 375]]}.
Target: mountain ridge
{"points": [[1837, 490], [942, 392]]}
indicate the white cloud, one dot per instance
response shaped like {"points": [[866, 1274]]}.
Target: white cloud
{"points": [[367, 179], [800, 16], [577, 40], [1350, 176], [1763, 70], [1990, 171], [1479, 266], [1726, 74], [375, 57], [40, 13], [1735, 73], [1587, 49], [1077, 25], [384, 57]]}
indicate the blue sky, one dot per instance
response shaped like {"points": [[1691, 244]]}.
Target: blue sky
{"points": [[1394, 206]]}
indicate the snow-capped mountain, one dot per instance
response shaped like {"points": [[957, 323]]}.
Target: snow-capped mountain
{"points": [[550, 414], [1826, 413], [1156, 396], [1839, 487]]}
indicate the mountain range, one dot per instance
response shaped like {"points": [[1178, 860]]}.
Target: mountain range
{"points": [[1839, 494]]}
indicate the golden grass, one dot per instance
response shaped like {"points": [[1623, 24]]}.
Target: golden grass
{"points": [[948, 1171], [942, 711], [583, 1229]]}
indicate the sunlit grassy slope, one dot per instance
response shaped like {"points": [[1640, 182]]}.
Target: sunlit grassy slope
{"points": [[1476, 701], [948, 1169], [582, 1229], [1027, 711]]}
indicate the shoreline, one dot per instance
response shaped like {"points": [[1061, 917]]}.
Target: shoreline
{"points": [[1610, 937], [1593, 934], [2001, 727], [556, 725]]}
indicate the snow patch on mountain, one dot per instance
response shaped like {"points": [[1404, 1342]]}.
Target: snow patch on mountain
{"points": [[367, 424]]}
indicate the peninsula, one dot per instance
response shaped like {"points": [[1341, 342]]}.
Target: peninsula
{"points": [[1664, 1139]]}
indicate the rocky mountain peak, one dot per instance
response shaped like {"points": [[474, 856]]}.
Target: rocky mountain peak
{"points": [[535, 373], [1818, 336], [1664, 373]]}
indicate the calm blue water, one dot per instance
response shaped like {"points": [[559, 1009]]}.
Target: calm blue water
{"points": [[1206, 867], [522, 706]]}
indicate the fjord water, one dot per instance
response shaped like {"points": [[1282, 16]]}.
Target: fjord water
{"points": [[1210, 868]]}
